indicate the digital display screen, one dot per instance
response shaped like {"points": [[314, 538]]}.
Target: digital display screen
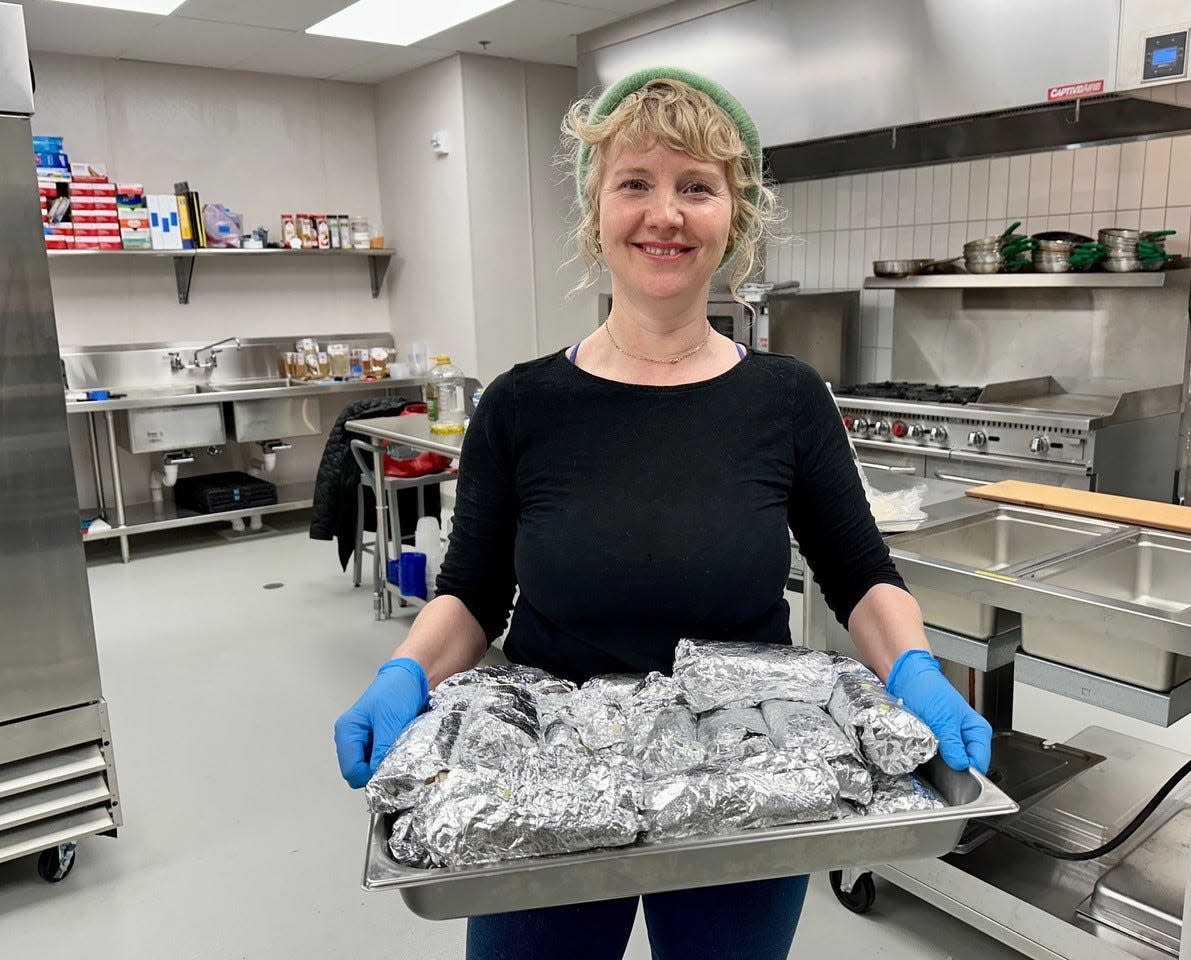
{"points": [[1164, 57]]}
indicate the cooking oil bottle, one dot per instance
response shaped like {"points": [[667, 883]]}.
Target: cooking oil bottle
{"points": [[444, 396]]}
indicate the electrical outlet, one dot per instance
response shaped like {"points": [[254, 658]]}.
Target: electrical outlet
{"points": [[438, 143]]}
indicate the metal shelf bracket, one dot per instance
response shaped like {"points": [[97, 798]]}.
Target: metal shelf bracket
{"points": [[378, 266], [183, 274]]}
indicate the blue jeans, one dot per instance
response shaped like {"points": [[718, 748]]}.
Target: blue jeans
{"points": [[740, 921]]}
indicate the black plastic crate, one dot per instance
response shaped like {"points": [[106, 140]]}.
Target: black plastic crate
{"points": [[218, 492]]}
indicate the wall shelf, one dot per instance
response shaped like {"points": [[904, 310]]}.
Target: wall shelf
{"points": [[1017, 281], [184, 260]]}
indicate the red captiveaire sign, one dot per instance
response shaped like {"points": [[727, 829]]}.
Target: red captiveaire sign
{"points": [[1071, 91]]}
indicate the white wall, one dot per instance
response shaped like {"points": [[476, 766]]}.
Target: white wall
{"points": [[258, 143], [424, 200], [841, 224]]}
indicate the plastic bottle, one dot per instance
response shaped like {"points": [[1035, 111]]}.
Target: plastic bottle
{"points": [[428, 540], [444, 396]]}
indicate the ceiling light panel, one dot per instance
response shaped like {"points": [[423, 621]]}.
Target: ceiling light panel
{"points": [[401, 24], [161, 7]]}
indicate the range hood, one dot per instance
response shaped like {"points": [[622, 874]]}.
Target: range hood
{"points": [[844, 85]]}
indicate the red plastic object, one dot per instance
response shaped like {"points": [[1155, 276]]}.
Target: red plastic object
{"points": [[899, 428], [423, 464], [414, 408]]}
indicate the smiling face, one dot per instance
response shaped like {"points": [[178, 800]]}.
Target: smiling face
{"points": [[664, 221]]}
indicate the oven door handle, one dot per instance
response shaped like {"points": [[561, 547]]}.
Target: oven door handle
{"points": [[940, 475], [887, 468]]}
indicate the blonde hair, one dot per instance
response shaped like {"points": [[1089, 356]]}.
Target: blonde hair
{"points": [[676, 115]]}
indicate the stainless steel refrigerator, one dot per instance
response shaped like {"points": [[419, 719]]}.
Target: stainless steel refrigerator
{"points": [[57, 776]]}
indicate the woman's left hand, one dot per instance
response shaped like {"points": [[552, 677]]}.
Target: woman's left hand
{"points": [[965, 737]]}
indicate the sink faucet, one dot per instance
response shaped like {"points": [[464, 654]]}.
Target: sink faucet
{"points": [[177, 364]]}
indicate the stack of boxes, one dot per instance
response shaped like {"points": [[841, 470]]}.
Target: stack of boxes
{"points": [[93, 208], [53, 185], [133, 210]]}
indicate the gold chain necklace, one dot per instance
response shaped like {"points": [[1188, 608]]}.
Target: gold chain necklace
{"points": [[671, 360]]}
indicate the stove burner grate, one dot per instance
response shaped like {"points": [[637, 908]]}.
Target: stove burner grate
{"points": [[914, 392]]}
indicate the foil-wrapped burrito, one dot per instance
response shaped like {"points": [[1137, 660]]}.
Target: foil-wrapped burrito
{"points": [[500, 675], [405, 845], [498, 723], [735, 732], [727, 674], [902, 795], [420, 755], [668, 743], [806, 729], [584, 718], [889, 736], [617, 687], [549, 803], [761, 791]]}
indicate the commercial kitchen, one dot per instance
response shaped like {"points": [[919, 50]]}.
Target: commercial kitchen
{"points": [[235, 439]]}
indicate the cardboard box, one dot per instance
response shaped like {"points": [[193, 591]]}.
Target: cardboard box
{"points": [[135, 220], [93, 190], [86, 170], [97, 230], [59, 229]]}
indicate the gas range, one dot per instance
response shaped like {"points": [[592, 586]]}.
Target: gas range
{"points": [[1040, 428], [937, 419]]}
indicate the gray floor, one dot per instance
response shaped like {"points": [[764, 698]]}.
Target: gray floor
{"points": [[240, 840]]}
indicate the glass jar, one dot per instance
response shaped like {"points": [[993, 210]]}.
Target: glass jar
{"points": [[378, 358], [340, 361], [324, 365], [359, 363], [295, 366], [361, 235]]}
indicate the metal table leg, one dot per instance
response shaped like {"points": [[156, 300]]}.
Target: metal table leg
{"points": [[381, 599], [93, 435], [117, 489]]}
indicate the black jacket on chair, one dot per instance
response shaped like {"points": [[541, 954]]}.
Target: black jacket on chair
{"points": [[333, 515]]}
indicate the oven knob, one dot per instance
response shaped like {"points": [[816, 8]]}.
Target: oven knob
{"points": [[1040, 444], [917, 432], [881, 429], [937, 434], [860, 426], [899, 428], [847, 423], [976, 438]]}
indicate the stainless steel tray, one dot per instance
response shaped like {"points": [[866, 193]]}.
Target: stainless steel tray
{"points": [[443, 894]]}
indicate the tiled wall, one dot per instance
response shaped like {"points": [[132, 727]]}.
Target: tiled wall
{"points": [[840, 225]]}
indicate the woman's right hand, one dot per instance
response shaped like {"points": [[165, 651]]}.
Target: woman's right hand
{"points": [[368, 728]]}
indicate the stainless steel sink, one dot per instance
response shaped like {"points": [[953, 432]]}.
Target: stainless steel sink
{"points": [[151, 393], [1150, 570], [227, 386], [1001, 540]]}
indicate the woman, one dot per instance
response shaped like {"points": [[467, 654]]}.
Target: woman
{"points": [[640, 487]]}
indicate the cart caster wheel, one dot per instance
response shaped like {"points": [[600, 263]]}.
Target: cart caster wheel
{"points": [[54, 865], [860, 898]]}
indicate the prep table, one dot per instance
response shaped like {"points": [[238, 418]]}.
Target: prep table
{"points": [[412, 430], [1033, 903]]}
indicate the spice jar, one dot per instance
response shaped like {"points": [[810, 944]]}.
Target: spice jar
{"points": [[379, 362], [324, 365], [295, 366]]}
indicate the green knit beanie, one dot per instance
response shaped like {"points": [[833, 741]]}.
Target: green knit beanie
{"points": [[613, 96]]}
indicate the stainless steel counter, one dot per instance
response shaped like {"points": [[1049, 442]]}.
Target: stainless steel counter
{"points": [[231, 391]]}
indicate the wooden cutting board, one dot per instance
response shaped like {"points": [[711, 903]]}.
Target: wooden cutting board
{"points": [[1103, 506]]}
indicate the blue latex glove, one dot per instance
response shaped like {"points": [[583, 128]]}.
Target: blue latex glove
{"points": [[368, 728], [965, 738]]}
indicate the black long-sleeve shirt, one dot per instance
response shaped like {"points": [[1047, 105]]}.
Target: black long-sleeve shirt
{"points": [[631, 516]]}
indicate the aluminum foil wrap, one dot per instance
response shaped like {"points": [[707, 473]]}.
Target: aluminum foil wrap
{"points": [[844, 664], [584, 719], [902, 795], [549, 803], [617, 687], [806, 729], [889, 736], [500, 675], [761, 791], [405, 845], [668, 744], [735, 732], [499, 722], [726, 674], [420, 755]]}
